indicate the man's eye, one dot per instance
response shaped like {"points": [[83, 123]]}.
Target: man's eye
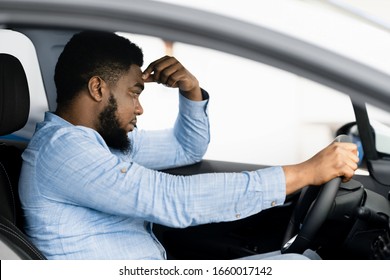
{"points": [[136, 95]]}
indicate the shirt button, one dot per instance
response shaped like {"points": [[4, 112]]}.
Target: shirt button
{"points": [[123, 170], [273, 203], [238, 216]]}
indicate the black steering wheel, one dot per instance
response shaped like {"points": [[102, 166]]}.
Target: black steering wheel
{"points": [[299, 237]]}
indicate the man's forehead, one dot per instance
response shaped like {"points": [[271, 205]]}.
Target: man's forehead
{"points": [[134, 76]]}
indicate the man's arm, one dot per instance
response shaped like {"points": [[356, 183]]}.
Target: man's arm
{"points": [[184, 144], [336, 160], [171, 73], [187, 142]]}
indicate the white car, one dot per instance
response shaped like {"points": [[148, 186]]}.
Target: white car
{"points": [[351, 223]]}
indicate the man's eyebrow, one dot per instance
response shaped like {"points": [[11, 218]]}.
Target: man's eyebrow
{"points": [[141, 86]]}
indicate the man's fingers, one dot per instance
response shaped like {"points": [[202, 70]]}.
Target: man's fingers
{"points": [[170, 72], [148, 71], [154, 71], [167, 76], [349, 149], [350, 162]]}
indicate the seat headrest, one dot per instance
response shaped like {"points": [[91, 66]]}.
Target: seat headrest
{"points": [[14, 95]]}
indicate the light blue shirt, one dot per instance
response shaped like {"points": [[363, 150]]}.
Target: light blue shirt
{"points": [[82, 200]]}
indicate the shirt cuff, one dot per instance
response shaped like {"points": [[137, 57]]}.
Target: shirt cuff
{"points": [[273, 183], [205, 94], [194, 108]]}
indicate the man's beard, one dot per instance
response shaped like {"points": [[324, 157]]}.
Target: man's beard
{"points": [[109, 128]]}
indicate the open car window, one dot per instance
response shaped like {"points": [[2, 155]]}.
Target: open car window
{"points": [[259, 114]]}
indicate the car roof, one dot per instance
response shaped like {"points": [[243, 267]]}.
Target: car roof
{"points": [[188, 25]]}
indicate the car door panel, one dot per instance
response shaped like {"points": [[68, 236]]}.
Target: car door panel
{"points": [[259, 233]]}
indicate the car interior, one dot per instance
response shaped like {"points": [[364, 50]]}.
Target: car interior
{"points": [[356, 227]]}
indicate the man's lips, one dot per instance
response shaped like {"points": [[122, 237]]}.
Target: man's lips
{"points": [[134, 123]]}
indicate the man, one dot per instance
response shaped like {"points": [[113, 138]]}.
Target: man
{"points": [[88, 186]]}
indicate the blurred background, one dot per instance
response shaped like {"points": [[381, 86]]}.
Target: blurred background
{"points": [[270, 116]]}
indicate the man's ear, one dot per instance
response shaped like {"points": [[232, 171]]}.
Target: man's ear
{"points": [[95, 88]]}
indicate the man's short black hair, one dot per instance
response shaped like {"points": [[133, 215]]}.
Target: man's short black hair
{"points": [[93, 53]]}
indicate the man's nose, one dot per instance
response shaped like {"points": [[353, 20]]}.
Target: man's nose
{"points": [[138, 109]]}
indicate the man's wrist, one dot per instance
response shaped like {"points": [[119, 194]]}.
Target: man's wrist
{"points": [[297, 176], [199, 95]]}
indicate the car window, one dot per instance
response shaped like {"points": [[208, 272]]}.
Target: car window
{"points": [[258, 114], [380, 121]]}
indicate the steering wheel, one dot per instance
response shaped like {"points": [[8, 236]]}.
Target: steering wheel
{"points": [[299, 238]]}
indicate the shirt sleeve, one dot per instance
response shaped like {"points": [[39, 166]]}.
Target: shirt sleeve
{"points": [[80, 172], [186, 143]]}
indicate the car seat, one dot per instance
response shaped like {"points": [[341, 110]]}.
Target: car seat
{"points": [[14, 111]]}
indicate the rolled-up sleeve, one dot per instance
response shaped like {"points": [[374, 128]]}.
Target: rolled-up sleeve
{"points": [[184, 144]]}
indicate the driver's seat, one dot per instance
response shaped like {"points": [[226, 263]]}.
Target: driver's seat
{"points": [[14, 111]]}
